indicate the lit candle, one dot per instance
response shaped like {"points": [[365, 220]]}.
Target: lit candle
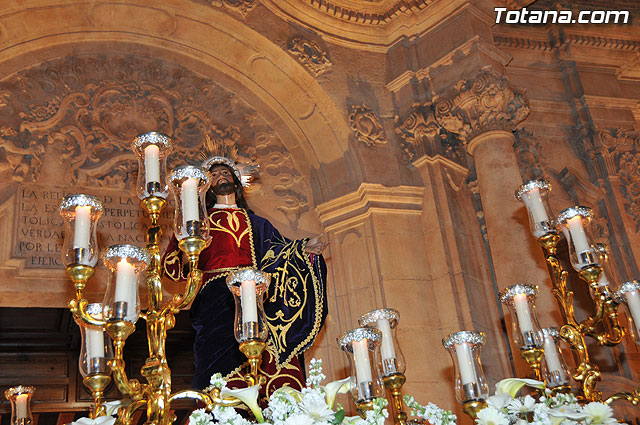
{"points": [[465, 363], [633, 302], [82, 227], [190, 200], [21, 406], [152, 164], [551, 355], [94, 343], [248, 301], [125, 284], [523, 313], [361, 358], [387, 350], [578, 236], [533, 202]]}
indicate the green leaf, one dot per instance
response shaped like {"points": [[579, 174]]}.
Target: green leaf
{"points": [[338, 417]]}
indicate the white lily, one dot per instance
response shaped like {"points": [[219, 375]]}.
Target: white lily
{"points": [[100, 420], [511, 386], [248, 396], [499, 400], [336, 387], [297, 395]]}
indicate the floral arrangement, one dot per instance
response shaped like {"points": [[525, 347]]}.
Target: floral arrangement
{"points": [[506, 408], [314, 405]]}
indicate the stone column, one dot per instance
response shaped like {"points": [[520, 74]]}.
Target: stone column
{"points": [[379, 259], [484, 113]]}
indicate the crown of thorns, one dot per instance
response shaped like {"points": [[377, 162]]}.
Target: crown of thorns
{"points": [[217, 153]]}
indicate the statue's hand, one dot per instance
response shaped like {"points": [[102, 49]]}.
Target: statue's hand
{"points": [[316, 245]]}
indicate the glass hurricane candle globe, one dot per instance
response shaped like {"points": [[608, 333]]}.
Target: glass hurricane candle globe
{"points": [[629, 296], [127, 265], [575, 223], [521, 301], [556, 372], [80, 213], [470, 383], [361, 345], [152, 149], [249, 288], [391, 360], [96, 349], [189, 185], [534, 196], [20, 398]]}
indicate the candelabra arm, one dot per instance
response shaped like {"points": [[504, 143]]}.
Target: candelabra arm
{"points": [[394, 384], [563, 296], [125, 414], [585, 372], [615, 333], [471, 408], [192, 247], [96, 383], [79, 310], [253, 350], [119, 330], [154, 206], [633, 398]]}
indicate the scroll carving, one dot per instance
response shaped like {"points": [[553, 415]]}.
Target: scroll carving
{"points": [[366, 126], [310, 54], [78, 116], [482, 104], [243, 7], [620, 150], [421, 134], [529, 155]]}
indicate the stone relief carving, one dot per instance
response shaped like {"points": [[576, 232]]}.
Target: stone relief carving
{"points": [[620, 150], [309, 54], [366, 126], [482, 104], [529, 154], [79, 115], [243, 7], [421, 134]]}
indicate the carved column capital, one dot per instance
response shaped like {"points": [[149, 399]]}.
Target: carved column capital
{"points": [[484, 103]]}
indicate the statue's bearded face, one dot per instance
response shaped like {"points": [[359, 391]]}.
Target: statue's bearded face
{"points": [[222, 180]]}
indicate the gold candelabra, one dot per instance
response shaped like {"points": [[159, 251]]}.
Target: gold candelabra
{"points": [[118, 314], [587, 259]]}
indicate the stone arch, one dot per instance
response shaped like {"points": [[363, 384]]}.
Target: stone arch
{"points": [[310, 125]]}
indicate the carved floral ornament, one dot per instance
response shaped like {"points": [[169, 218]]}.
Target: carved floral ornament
{"points": [[421, 135], [482, 104], [366, 126], [78, 115], [310, 54], [243, 7], [620, 150]]}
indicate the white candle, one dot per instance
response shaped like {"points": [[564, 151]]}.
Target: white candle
{"points": [[551, 355], [190, 200], [533, 201], [94, 343], [387, 350], [361, 358], [603, 280], [21, 406], [248, 301], [465, 363], [125, 284], [523, 313], [633, 303], [82, 227], [579, 238], [152, 164]]}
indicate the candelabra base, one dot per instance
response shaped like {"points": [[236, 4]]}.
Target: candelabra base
{"points": [[533, 356], [471, 408]]}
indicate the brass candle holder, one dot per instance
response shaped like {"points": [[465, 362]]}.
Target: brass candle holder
{"points": [[393, 383]]}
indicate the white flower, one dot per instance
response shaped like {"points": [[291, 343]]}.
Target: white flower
{"points": [[598, 413], [314, 405], [492, 416], [511, 386], [499, 400], [299, 419], [521, 405], [200, 417], [337, 387], [217, 381], [315, 373], [248, 396]]}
